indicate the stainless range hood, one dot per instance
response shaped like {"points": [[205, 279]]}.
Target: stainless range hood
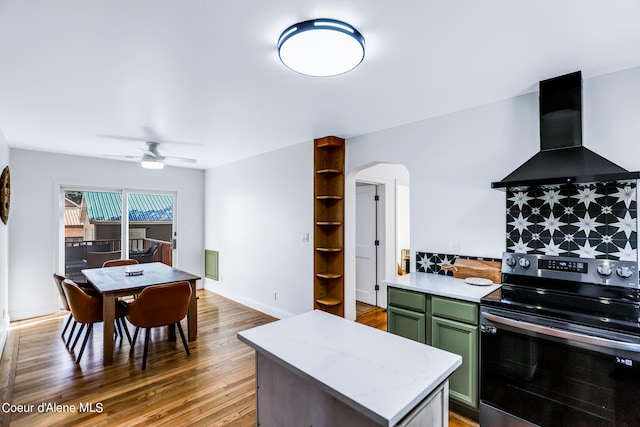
{"points": [[562, 158]]}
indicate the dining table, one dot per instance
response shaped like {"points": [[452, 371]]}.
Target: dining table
{"points": [[128, 280]]}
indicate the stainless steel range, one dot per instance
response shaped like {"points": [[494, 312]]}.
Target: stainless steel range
{"points": [[560, 343]]}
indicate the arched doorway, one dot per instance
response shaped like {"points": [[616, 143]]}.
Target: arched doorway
{"points": [[390, 181]]}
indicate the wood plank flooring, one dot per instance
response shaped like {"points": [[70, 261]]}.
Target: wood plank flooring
{"points": [[215, 386]]}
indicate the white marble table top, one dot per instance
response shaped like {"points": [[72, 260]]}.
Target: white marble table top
{"points": [[379, 374], [441, 285]]}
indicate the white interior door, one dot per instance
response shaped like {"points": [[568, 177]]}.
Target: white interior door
{"points": [[365, 243]]}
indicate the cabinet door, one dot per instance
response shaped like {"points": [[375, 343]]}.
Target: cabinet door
{"points": [[407, 323], [461, 339]]}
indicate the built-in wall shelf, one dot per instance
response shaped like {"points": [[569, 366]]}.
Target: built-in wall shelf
{"points": [[329, 302], [330, 142], [329, 197], [328, 287], [329, 275]]}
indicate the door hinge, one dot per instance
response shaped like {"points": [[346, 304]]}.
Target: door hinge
{"points": [[377, 243], [376, 198]]}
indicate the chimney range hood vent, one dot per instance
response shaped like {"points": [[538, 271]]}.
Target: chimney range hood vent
{"points": [[562, 158]]}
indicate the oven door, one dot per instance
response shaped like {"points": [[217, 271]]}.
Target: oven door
{"points": [[545, 372]]}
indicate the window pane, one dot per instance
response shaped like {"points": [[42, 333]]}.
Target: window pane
{"points": [[150, 227], [92, 230]]}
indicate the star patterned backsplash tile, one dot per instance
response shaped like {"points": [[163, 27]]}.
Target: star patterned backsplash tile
{"points": [[594, 220], [429, 262], [597, 220]]}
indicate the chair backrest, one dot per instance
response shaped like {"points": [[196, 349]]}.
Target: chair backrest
{"points": [[152, 249], [160, 305], [117, 262], [59, 279], [85, 308], [96, 259]]}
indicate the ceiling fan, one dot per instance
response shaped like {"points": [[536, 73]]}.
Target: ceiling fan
{"points": [[151, 157]]}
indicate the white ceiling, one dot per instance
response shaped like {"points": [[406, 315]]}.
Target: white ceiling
{"points": [[74, 74]]}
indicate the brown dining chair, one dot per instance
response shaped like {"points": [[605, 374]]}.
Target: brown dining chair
{"points": [[87, 310], [58, 279], [155, 306], [117, 262]]}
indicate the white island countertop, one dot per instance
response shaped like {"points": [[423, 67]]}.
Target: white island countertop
{"points": [[380, 375], [441, 285]]}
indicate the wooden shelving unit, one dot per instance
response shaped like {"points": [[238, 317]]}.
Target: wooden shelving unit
{"points": [[328, 288]]}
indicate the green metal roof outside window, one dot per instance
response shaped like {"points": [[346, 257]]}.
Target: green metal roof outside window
{"points": [[102, 206]]}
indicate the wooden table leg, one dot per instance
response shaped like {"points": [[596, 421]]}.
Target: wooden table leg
{"points": [[108, 315], [192, 314]]}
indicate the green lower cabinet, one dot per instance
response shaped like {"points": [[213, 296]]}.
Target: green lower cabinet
{"points": [[407, 323], [462, 339]]}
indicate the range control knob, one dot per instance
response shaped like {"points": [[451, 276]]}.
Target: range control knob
{"points": [[511, 261], [604, 270], [624, 272], [524, 263]]}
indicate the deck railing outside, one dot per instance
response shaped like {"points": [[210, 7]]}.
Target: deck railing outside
{"points": [[76, 252]]}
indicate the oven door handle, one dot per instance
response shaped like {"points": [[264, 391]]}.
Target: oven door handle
{"points": [[559, 333]]}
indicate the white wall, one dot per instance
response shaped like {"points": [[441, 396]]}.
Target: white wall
{"points": [[4, 256], [257, 209], [453, 159], [33, 227], [256, 213]]}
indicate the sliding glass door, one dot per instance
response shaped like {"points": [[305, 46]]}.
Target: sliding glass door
{"points": [[97, 222]]}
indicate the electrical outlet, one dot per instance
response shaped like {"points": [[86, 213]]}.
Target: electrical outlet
{"points": [[305, 237], [455, 248]]}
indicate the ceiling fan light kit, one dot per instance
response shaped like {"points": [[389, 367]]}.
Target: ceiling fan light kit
{"points": [[151, 158], [321, 47], [150, 162]]}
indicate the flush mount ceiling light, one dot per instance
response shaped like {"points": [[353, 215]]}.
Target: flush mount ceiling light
{"points": [[321, 47]]}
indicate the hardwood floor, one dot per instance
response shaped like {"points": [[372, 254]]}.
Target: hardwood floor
{"points": [[215, 386]]}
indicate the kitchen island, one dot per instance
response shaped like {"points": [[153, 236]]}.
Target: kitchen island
{"points": [[317, 369]]}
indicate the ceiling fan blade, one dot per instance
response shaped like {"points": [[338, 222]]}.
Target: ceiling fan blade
{"points": [[118, 156], [181, 159], [124, 138]]}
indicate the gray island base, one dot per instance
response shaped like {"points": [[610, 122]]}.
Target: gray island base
{"points": [[317, 369]]}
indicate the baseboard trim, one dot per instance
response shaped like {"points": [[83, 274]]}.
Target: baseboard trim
{"points": [[256, 305], [4, 332]]}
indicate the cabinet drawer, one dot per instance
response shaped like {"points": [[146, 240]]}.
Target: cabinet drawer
{"points": [[407, 299], [453, 309]]}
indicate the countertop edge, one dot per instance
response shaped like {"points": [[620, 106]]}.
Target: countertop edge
{"points": [[378, 417], [440, 285]]}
